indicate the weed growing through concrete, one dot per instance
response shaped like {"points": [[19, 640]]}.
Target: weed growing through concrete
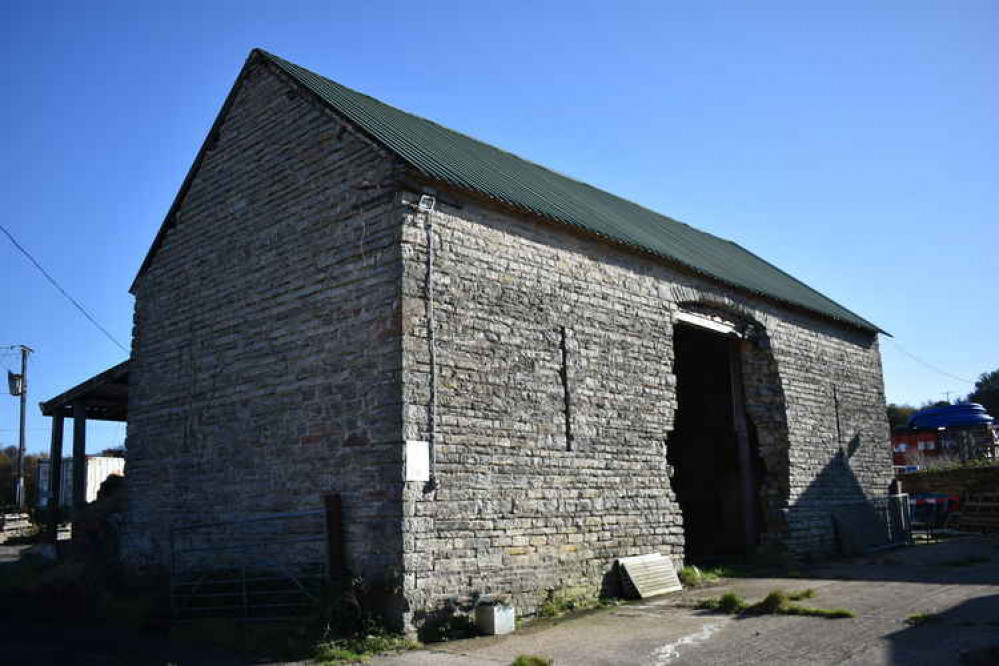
{"points": [[922, 618], [778, 602]]}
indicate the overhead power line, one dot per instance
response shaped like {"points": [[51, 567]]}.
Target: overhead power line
{"points": [[929, 365], [62, 291]]}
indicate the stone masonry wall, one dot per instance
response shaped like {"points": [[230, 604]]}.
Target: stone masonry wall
{"points": [[515, 512], [266, 353], [959, 480]]}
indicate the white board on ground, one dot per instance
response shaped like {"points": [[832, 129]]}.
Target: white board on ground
{"points": [[650, 575]]}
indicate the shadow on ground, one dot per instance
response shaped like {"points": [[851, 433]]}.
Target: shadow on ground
{"points": [[964, 560], [972, 625]]}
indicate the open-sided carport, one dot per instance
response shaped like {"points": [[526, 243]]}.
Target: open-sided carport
{"points": [[103, 397]]}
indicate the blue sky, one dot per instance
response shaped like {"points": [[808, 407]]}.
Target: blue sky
{"points": [[854, 144]]}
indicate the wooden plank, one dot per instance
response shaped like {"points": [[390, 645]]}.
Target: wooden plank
{"points": [[650, 575]]}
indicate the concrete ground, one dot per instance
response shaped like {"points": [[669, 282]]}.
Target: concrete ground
{"points": [[957, 581], [10, 553]]}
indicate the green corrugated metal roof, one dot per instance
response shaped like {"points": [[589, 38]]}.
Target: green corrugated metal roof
{"points": [[467, 163]]}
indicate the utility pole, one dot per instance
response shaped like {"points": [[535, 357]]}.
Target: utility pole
{"points": [[19, 495]]}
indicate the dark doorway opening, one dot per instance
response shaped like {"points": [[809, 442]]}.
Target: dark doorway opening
{"points": [[713, 450]]}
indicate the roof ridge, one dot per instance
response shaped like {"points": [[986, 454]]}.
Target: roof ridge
{"points": [[698, 241], [459, 160]]}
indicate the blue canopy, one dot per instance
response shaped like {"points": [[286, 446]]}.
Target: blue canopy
{"points": [[950, 416]]}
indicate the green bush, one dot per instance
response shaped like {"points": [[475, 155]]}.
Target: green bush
{"points": [[348, 611]]}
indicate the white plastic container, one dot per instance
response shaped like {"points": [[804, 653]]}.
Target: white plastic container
{"points": [[495, 619]]}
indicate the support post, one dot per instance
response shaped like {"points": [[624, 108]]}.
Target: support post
{"points": [[55, 477], [334, 538], [79, 456]]}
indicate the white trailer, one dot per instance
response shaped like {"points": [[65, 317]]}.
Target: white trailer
{"points": [[99, 468]]}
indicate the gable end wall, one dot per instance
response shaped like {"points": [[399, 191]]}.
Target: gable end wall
{"points": [[266, 353]]}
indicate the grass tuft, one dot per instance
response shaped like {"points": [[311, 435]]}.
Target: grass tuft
{"points": [[772, 604], [798, 595], [692, 576], [730, 603], [778, 602], [830, 613], [359, 650], [922, 618], [531, 660], [560, 601]]}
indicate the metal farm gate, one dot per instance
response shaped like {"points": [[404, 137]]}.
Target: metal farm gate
{"points": [[267, 567]]}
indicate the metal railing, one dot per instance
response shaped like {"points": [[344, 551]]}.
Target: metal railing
{"points": [[267, 567], [896, 517]]}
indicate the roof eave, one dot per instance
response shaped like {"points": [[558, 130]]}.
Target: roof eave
{"points": [[424, 179], [110, 375]]}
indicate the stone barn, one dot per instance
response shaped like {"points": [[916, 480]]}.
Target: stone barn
{"points": [[511, 378]]}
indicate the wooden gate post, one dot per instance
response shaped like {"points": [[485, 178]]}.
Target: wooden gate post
{"points": [[334, 537]]}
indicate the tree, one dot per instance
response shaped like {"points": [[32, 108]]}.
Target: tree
{"points": [[7, 475], [898, 415], [114, 452], [929, 404], [8, 460], [986, 392]]}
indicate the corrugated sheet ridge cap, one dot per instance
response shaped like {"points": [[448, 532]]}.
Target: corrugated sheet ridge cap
{"points": [[384, 134]]}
